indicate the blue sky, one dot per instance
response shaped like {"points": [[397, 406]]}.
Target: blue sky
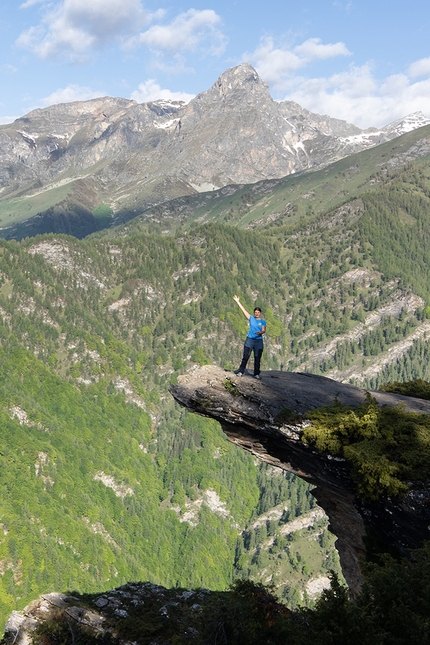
{"points": [[365, 62]]}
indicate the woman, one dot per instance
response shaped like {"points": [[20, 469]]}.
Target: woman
{"points": [[253, 341]]}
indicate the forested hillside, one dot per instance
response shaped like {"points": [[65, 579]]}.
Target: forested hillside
{"points": [[106, 480]]}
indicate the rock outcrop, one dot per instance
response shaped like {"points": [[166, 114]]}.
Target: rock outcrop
{"points": [[267, 418], [101, 616]]}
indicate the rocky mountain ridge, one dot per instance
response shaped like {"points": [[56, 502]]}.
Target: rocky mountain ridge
{"points": [[129, 156]]}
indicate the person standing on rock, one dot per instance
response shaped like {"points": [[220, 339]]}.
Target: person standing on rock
{"points": [[253, 341]]}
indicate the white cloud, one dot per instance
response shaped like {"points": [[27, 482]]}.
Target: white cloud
{"points": [[30, 3], [186, 33], [355, 95], [8, 69], [278, 64], [313, 49], [347, 7], [7, 119], [151, 91], [69, 94], [274, 64], [73, 28], [419, 68], [358, 97]]}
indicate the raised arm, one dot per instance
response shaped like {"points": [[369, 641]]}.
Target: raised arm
{"points": [[237, 301]]}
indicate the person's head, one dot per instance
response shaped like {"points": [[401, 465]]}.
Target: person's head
{"points": [[257, 312]]}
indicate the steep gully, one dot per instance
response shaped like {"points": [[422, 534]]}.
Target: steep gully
{"points": [[252, 414]]}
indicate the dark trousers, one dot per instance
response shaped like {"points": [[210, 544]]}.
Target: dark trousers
{"points": [[255, 345]]}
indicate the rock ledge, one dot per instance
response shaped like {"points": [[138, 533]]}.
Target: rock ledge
{"points": [[267, 418]]}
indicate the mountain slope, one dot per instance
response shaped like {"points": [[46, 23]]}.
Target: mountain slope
{"points": [[291, 199]]}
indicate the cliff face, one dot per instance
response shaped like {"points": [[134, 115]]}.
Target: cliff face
{"points": [[267, 418]]}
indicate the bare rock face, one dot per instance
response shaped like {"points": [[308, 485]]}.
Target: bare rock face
{"points": [[262, 417]]}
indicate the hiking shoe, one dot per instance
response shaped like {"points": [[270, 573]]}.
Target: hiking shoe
{"points": [[257, 376], [238, 373]]}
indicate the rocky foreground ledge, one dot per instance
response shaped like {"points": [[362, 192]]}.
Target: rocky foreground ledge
{"points": [[138, 608], [267, 418]]}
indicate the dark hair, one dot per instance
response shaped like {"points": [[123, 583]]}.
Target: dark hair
{"points": [[257, 309]]}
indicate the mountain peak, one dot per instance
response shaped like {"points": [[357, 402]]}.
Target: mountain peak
{"points": [[242, 73], [240, 78], [407, 123]]}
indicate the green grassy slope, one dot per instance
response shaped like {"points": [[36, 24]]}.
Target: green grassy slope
{"points": [[70, 206], [14, 211]]}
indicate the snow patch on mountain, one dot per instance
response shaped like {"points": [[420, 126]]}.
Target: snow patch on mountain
{"points": [[167, 124], [407, 124], [372, 136]]}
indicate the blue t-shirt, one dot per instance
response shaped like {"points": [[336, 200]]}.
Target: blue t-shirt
{"points": [[255, 324]]}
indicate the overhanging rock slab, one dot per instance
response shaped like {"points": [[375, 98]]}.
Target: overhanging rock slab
{"points": [[267, 418]]}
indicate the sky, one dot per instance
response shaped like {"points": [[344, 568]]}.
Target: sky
{"points": [[367, 62]]}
